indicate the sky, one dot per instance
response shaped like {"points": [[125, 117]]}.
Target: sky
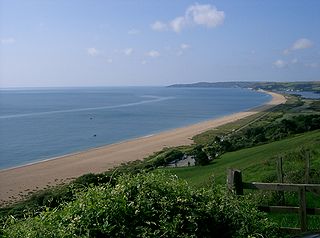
{"points": [[79, 43]]}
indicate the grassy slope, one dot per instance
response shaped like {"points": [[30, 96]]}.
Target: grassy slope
{"points": [[257, 164], [250, 161], [259, 119]]}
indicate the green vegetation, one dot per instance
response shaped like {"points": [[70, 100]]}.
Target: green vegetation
{"points": [[147, 205], [145, 199], [164, 157], [270, 86], [252, 160], [314, 105], [291, 108], [259, 164], [289, 86], [201, 157], [214, 85], [266, 137], [266, 132]]}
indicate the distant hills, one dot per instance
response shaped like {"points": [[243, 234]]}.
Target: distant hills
{"points": [[214, 85], [313, 86]]}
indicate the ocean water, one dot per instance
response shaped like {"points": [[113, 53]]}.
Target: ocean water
{"points": [[44, 123], [311, 95]]}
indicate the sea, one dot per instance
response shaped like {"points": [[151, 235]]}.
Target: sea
{"points": [[308, 95], [39, 124]]}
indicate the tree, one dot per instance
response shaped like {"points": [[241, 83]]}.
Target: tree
{"points": [[200, 157], [212, 151]]}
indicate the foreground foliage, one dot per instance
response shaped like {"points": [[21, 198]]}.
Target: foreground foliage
{"points": [[259, 164], [50, 213], [146, 205]]}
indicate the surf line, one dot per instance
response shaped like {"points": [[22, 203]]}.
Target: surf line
{"points": [[154, 99]]}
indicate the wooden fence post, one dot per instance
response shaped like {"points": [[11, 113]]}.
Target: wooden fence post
{"points": [[307, 166], [234, 181], [280, 179], [235, 185], [279, 170], [303, 208]]}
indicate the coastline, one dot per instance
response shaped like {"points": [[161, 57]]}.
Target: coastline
{"points": [[18, 181]]}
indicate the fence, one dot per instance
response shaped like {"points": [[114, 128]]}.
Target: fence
{"points": [[235, 184]]}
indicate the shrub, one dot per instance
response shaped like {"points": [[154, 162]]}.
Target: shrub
{"points": [[200, 157], [147, 205], [164, 157]]}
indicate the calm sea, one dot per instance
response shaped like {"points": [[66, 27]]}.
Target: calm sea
{"points": [[45, 123], [310, 95]]}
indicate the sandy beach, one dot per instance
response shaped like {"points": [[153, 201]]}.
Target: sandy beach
{"points": [[16, 182]]}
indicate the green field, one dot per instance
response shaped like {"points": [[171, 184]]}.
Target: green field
{"points": [[257, 163]]}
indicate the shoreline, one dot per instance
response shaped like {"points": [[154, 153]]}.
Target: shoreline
{"points": [[18, 181], [135, 138]]}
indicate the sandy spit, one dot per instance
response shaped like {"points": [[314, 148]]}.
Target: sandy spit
{"points": [[16, 182]]}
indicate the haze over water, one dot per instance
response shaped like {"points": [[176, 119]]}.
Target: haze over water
{"points": [[41, 124]]}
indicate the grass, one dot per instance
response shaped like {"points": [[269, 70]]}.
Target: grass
{"points": [[259, 164], [228, 128], [250, 161], [261, 118]]}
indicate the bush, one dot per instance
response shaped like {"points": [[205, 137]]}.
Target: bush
{"points": [[200, 157], [147, 205], [259, 134]]}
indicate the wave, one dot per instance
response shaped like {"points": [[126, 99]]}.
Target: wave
{"points": [[152, 100]]}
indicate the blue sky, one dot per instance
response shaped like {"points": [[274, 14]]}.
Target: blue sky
{"points": [[54, 43]]}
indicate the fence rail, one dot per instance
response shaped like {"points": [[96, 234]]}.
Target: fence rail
{"points": [[315, 188], [236, 185]]}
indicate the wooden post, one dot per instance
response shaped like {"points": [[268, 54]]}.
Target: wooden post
{"points": [[279, 170], [280, 180], [234, 181], [307, 166], [303, 208]]}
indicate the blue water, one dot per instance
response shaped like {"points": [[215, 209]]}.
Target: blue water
{"points": [[311, 95], [45, 123]]}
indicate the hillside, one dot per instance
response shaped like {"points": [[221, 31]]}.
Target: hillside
{"points": [[312, 86], [251, 161], [258, 164], [213, 85]]}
